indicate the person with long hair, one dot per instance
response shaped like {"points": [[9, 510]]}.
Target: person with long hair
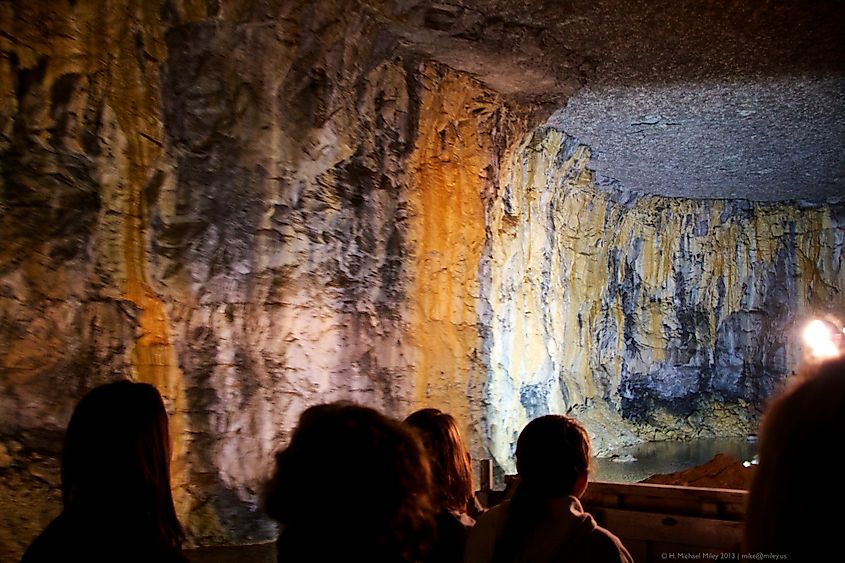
{"points": [[352, 485], [795, 506], [115, 474], [544, 520], [454, 494]]}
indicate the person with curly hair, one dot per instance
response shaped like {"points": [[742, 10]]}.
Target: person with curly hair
{"points": [[352, 485]]}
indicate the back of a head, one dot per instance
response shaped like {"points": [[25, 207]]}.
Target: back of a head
{"points": [[450, 462], [351, 483], [795, 502], [552, 451], [116, 459]]}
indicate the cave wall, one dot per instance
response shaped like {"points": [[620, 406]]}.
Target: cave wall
{"points": [[648, 317], [258, 206], [254, 214], [81, 147]]}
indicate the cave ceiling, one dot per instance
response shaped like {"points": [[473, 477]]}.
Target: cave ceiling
{"points": [[718, 99]]}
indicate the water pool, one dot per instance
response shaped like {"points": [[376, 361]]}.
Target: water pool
{"points": [[667, 457]]}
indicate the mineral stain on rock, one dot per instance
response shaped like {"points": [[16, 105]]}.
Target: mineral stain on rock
{"points": [[652, 309], [258, 213]]}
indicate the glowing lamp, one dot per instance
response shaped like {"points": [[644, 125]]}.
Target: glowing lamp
{"points": [[818, 336]]}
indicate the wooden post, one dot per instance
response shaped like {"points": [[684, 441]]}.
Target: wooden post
{"points": [[485, 475]]}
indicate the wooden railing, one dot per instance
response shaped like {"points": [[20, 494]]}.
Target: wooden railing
{"points": [[670, 523], [661, 523]]}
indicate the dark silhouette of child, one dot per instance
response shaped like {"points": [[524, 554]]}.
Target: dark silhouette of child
{"points": [[544, 521], [115, 483]]}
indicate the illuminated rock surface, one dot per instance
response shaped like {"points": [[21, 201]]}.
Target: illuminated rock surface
{"points": [[679, 315], [261, 206]]}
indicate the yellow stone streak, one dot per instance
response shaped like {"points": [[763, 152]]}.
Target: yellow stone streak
{"points": [[448, 225], [99, 39], [135, 100], [586, 225]]}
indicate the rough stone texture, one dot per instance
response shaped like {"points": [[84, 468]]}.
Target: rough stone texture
{"points": [[744, 97], [655, 139], [324, 201], [252, 235], [30, 495], [80, 146], [676, 315], [257, 206]]}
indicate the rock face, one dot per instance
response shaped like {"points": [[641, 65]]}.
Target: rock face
{"points": [[260, 213], [251, 234], [679, 315]]}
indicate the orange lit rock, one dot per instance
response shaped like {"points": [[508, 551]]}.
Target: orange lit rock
{"points": [[448, 182], [257, 214]]}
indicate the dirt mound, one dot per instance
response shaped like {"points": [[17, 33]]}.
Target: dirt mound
{"points": [[723, 472]]}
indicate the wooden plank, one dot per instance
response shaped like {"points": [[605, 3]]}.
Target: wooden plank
{"points": [[701, 508], [666, 491], [691, 531], [667, 499]]}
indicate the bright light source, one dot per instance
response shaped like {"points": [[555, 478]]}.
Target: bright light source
{"points": [[819, 337]]}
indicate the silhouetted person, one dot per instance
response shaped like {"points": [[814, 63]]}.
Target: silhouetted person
{"points": [[454, 496], [796, 506], [352, 485], [544, 521], [115, 483]]}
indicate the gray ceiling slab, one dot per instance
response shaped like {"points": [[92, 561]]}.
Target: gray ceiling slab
{"points": [[773, 139], [703, 99]]}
